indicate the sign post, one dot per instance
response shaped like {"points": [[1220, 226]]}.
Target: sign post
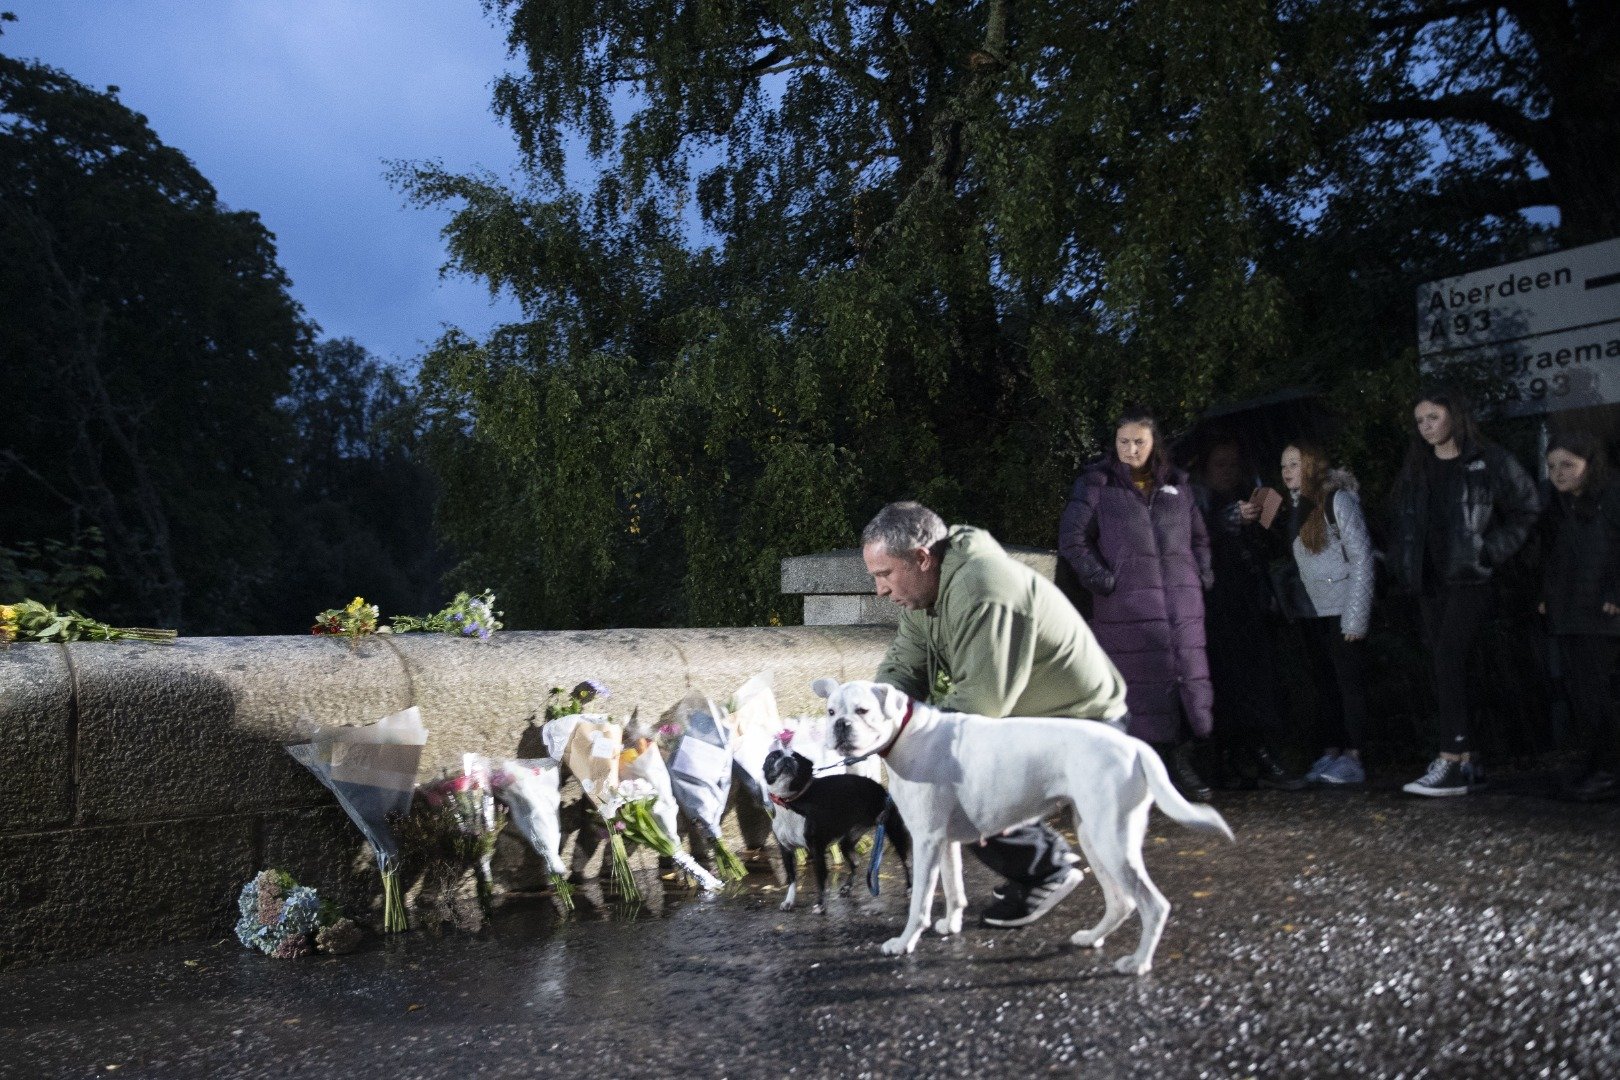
{"points": [[1543, 334]]}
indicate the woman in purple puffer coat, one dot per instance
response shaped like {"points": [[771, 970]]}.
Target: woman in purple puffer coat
{"points": [[1134, 536]]}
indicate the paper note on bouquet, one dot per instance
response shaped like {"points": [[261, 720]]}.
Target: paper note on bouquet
{"points": [[698, 758]]}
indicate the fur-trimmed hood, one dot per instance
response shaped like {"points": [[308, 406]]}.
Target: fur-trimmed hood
{"points": [[1341, 479]]}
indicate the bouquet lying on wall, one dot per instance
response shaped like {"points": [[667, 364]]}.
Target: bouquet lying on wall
{"points": [[30, 620], [465, 616], [352, 622], [700, 772], [531, 790], [372, 771], [284, 919]]}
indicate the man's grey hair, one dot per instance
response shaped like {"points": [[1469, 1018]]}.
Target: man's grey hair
{"points": [[903, 527]]}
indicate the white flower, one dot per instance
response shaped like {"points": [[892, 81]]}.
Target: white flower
{"points": [[636, 789]]}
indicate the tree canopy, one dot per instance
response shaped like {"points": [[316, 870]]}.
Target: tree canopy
{"points": [[178, 450]]}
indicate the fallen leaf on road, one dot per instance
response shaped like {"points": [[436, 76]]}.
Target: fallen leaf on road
{"points": [[412, 1008]]}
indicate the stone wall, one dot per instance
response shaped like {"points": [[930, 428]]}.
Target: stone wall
{"points": [[144, 783]]}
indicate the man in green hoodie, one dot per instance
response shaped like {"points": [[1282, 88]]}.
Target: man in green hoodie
{"points": [[982, 633]]}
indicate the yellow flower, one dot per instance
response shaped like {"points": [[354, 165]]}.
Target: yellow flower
{"points": [[8, 613], [629, 754], [355, 605]]}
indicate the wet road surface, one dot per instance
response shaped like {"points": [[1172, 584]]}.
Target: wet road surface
{"points": [[1346, 933]]}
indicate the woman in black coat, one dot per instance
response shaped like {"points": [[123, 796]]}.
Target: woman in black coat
{"points": [[1463, 507], [1580, 596]]}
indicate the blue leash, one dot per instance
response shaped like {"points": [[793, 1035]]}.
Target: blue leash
{"points": [[876, 864]]}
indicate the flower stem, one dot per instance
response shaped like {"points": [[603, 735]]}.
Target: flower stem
{"points": [[564, 891], [726, 863], [393, 903]]}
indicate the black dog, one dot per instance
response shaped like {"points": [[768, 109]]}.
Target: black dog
{"points": [[813, 812]]}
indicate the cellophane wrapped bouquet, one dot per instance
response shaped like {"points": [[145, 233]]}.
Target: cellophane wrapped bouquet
{"points": [[463, 821], [592, 747], [756, 725], [371, 769], [531, 790], [700, 768], [589, 746], [642, 759]]}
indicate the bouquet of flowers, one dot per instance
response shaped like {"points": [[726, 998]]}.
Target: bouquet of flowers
{"points": [[640, 760], [284, 919], [700, 772], [530, 788], [465, 616], [350, 622], [30, 620], [464, 820], [756, 725], [589, 746], [372, 771], [561, 703]]}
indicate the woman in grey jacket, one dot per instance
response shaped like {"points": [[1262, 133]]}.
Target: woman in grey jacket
{"points": [[1327, 537]]}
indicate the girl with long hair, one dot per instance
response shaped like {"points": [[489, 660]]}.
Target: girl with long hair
{"points": [[1326, 536], [1463, 508], [1580, 597]]}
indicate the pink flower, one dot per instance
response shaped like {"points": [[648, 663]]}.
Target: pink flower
{"points": [[785, 737], [461, 783]]}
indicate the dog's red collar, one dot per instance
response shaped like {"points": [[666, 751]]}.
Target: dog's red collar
{"points": [[781, 800], [904, 720]]}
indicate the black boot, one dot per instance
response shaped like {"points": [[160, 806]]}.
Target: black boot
{"points": [[1184, 776], [1270, 773]]}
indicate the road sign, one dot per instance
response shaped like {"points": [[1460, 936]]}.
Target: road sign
{"points": [[1545, 330]]}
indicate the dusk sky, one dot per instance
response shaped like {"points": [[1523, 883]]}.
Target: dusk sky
{"points": [[293, 109]]}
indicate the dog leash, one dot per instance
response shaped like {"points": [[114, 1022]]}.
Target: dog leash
{"points": [[877, 848]]}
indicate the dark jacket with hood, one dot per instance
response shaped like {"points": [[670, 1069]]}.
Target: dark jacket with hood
{"points": [[1580, 569], [1490, 514], [1146, 557]]}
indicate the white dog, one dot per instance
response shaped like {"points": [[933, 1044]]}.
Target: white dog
{"points": [[957, 778]]}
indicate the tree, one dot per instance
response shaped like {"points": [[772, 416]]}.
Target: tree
{"points": [[1518, 97], [149, 335], [359, 515], [939, 244]]}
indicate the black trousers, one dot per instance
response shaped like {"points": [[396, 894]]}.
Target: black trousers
{"points": [[1452, 618], [1587, 662], [1026, 856], [1243, 672], [1338, 670]]}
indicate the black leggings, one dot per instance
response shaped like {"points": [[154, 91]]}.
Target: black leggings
{"points": [[1587, 662], [1026, 855], [1452, 619], [1338, 670]]}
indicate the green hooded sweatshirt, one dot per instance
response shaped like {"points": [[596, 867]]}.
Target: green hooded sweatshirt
{"points": [[1007, 639]]}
